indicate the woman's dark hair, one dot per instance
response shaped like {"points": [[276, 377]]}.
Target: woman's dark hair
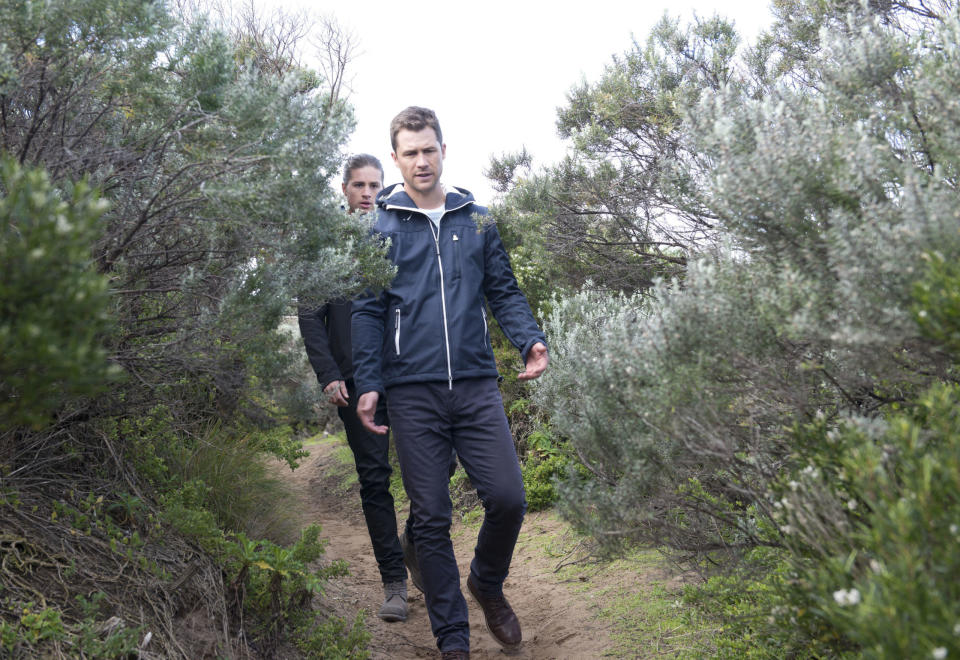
{"points": [[360, 160]]}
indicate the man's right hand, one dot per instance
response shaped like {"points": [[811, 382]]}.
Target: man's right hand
{"points": [[366, 407], [337, 393], [537, 360]]}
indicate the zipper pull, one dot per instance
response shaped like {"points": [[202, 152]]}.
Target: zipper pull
{"points": [[456, 238]]}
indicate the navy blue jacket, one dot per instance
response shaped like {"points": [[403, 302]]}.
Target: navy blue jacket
{"points": [[430, 324]]}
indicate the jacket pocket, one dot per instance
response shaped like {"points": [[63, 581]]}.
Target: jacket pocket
{"points": [[396, 331], [456, 254]]}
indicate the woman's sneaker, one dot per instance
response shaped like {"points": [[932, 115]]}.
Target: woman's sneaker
{"points": [[394, 606]]}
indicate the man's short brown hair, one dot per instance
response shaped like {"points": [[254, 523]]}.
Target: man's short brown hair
{"points": [[414, 119]]}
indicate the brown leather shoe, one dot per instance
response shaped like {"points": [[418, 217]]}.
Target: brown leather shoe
{"points": [[455, 655], [501, 621]]}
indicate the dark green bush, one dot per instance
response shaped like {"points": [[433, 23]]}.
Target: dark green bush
{"points": [[870, 528], [869, 517], [53, 304], [937, 308]]}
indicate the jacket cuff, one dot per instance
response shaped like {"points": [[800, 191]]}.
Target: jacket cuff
{"points": [[529, 345], [326, 379], [363, 389]]}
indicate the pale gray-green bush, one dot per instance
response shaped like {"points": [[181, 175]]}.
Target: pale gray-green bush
{"points": [[681, 398]]}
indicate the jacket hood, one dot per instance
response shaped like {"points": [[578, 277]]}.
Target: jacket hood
{"points": [[395, 197]]}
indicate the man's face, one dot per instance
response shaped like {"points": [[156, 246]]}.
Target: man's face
{"points": [[362, 188], [419, 156]]}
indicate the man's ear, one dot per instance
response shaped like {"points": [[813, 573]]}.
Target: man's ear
{"points": [[343, 187], [443, 150], [393, 155]]}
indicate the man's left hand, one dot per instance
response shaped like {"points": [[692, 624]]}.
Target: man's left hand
{"points": [[537, 359], [366, 408]]}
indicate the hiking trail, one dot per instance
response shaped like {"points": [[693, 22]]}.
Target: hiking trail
{"points": [[556, 621]]}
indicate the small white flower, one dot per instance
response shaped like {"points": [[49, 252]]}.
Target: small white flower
{"points": [[876, 566], [954, 529], [956, 629], [63, 225], [811, 471], [787, 529], [939, 653], [793, 485], [852, 505], [844, 597]]}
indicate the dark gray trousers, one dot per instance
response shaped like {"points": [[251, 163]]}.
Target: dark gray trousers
{"points": [[429, 419]]}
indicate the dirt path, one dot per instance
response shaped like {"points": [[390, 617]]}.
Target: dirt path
{"points": [[556, 623]]}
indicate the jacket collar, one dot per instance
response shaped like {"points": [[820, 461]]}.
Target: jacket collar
{"points": [[395, 197]]}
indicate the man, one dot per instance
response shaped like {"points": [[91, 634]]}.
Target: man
{"points": [[326, 333], [424, 343]]}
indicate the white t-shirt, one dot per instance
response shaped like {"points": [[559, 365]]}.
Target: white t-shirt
{"points": [[436, 214]]}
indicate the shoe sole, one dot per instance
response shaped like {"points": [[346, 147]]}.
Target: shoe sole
{"points": [[509, 649]]}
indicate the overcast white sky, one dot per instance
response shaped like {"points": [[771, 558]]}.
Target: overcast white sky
{"points": [[494, 72]]}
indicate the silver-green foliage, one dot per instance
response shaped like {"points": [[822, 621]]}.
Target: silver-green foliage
{"points": [[624, 207], [219, 177], [829, 192]]}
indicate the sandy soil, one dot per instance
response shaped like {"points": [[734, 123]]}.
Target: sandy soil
{"points": [[556, 623]]}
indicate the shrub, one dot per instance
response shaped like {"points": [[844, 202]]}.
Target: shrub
{"points": [[869, 515], [783, 412], [53, 304], [870, 527], [678, 398]]}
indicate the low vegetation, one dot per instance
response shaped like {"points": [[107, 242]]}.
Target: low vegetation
{"points": [[755, 356], [164, 197], [746, 265]]}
